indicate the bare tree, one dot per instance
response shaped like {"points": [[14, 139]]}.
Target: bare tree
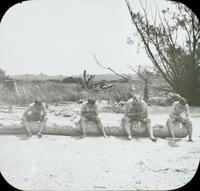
{"points": [[87, 80], [146, 76], [127, 78], [177, 58], [88, 83], [123, 76]]}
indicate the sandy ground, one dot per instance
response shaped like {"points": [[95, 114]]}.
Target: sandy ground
{"points": [[96, 163]]}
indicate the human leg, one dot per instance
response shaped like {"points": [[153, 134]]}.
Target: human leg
{"points": [[42, 125], [149, 128], [101, 127], [171, 126], [26, 125], [189, 126], [83, 126], [127, 126]]}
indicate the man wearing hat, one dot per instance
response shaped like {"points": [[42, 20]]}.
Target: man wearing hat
{"points": [[35, 112], [136, 113], [89, 112]]}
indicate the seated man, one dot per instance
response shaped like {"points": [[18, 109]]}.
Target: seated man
{"points": [[136, 113], [89, 112], [178, 108], [35, 112]]}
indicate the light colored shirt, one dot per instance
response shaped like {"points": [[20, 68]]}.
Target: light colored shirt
{"points": [[140, 108], [85, 109], [31, 109]]}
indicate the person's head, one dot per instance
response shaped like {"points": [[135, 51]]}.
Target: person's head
{"points": [[136, 99], [182, 101], [38, 103], [91, 102]]}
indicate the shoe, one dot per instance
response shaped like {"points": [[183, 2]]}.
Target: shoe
{"points": [[129, 137], [190, 140], [39, 135]]}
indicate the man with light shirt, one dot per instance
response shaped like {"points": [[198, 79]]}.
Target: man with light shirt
{"points": [[35, 112], [89, 112], [136, 113]]}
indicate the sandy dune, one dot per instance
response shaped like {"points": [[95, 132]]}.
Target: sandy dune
{"points": [[95, 163]]}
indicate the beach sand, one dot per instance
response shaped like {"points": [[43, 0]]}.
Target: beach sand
{"points": [[96, 163]]}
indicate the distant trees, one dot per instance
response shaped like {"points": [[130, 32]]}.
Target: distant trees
{"points": [[87, 82], [172, 42], [72, 80]]}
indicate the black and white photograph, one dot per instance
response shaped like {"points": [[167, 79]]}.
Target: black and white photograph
{"points": [[99, 95]]}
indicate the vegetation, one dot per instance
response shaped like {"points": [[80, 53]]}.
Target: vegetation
{"points": [[59, 92], [172, 42], [72, 80]]}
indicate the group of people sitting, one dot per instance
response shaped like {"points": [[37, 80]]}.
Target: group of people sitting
{"points": [[136, 112]]}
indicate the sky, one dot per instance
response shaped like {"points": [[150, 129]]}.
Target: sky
{"points": [[59, 37]]}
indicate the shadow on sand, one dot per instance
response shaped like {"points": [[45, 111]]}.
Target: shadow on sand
{"points": [[174, 143]]}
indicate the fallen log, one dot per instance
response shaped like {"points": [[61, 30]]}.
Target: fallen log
{"points": [[92, 129]]}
